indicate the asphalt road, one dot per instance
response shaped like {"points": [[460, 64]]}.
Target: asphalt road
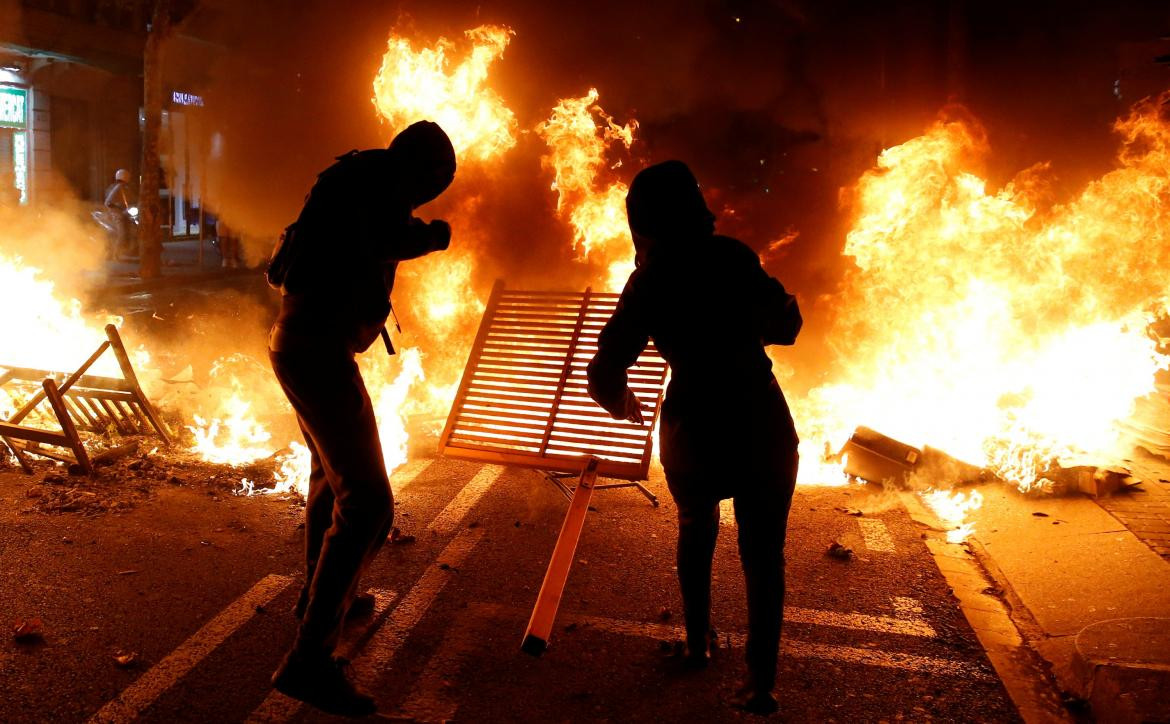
{"points": [[198, 585]]}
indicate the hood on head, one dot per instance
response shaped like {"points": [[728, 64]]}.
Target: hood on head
{"points": [[426, 158], [665, 205]]}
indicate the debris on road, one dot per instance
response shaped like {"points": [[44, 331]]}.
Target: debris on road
{"points": [[27, 631], [125, 660], [397, 537], [839, 551]]}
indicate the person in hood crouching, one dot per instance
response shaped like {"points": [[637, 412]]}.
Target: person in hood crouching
{"points": [[335, 267], [725, 429]]}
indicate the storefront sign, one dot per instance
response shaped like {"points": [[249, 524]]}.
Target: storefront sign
{"points": [[186, 99], [12, 107]]}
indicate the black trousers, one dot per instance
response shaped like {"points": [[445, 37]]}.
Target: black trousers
{"points": [[762, 502], [350, 507]]}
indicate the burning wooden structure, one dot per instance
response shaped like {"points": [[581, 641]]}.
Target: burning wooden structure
{"points": [[78, 401]]}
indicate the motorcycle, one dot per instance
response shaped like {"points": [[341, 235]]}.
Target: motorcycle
{"points": [[120, 230]]}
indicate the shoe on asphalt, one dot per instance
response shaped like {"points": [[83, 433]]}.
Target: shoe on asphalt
{"points": [[323, 682], [362, 605], [754, 701]]}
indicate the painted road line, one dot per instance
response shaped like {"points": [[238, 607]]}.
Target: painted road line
{"points": [[277, 707], [876, 535], [405, 475], [386, 641], [907, 619], [431, 698], [451, 516], [160, 677], [388, 638], [790, 647]]}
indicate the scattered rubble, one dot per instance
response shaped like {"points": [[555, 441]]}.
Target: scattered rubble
{"points": [[397, 537], [125, 660], [839, 551], [27, 631]]}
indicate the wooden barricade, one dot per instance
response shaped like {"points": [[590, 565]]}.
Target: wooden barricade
{"points": [[78, 401], [524, 401]]}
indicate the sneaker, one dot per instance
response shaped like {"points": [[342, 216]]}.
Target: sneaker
{"points": [[323, 682]]}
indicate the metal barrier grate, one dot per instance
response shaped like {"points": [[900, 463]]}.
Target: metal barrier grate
{"points": [[524, 396]]}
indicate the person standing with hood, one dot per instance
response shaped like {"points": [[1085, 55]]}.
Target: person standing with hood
{"points": [[335, 267], [725, 428]]}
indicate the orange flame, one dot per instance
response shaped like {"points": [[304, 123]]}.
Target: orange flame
{"points": [[577, 145], [1004, 330], [416, 85]]}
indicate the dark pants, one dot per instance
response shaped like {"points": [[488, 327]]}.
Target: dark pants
{"points": [[762, 503], [350, 508]]}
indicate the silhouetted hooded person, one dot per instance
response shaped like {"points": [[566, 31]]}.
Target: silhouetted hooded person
{"points": [[725, 428], [335, 267]]}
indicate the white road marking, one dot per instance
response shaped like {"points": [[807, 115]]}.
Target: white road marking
{"points": [[907, 619], [450, 517], [392, 634], [405, 475], [431, 700], [389, 637], [790, 647], [160, 677], [876, 535], [277, 707]]}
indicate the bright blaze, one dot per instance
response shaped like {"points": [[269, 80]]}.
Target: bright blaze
{"points": [[426, 84], [579, 134], [953, 508], [1006, 331]]}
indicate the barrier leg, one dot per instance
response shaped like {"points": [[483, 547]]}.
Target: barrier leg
{"points": [[549, 599]]}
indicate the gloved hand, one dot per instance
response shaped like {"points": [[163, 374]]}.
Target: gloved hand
{"points": [[440, 234]]}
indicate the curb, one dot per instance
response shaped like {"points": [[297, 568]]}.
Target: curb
{"points": [[1028, 682]]}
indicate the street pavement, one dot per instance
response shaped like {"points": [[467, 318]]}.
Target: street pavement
{"points": [[198, 585]]}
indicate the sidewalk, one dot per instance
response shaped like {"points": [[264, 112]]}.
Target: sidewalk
{"points": [[182, 262], [1087, 593]]}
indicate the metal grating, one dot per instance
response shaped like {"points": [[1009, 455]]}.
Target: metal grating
{"points": [[524, 396]]}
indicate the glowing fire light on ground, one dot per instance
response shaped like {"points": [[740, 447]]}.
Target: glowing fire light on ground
{"points": [[579, 134], [425, 84], [1009, 332]]}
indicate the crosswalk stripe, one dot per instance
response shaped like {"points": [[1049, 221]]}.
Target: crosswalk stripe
{"points": [[449, 518], [405, 475], [277, 707], [160, 677], [790, 647], [876, 535]]}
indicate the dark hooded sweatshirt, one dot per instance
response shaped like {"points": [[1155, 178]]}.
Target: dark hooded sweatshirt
{"points": [[355, 227], [710, 309]]}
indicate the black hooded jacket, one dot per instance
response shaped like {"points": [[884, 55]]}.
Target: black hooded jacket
{"points": [[356, 225], [710, 309]]}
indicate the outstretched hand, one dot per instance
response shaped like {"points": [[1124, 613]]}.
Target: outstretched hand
{"points": [[633, 408]]}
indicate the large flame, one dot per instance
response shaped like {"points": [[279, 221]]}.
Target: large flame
{"points": [[1009, 332], [424, 84], [579, 134]]}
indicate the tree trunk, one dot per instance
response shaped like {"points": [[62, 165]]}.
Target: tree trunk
{"points": [[151, 213]]}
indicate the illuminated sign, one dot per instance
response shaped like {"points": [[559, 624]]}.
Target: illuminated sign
{"points": [[186, 99], [13, 102]]}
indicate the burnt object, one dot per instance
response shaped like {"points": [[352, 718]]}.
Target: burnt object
{"points": [[872, 456]]}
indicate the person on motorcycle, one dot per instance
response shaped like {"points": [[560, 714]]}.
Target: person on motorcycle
{"points": [[118, 213]]}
